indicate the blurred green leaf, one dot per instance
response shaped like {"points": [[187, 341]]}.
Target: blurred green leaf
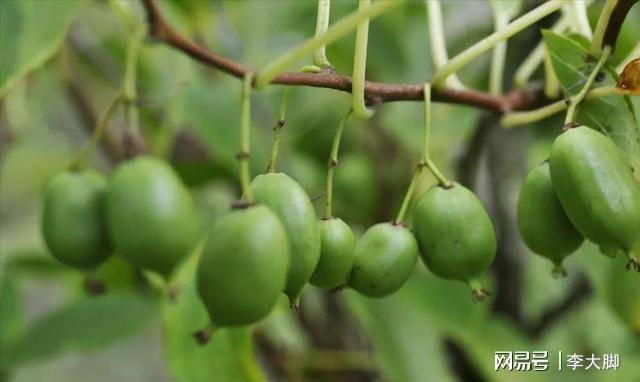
{"points": [[612, 114], [12, 322], [229, 354], [89, 324], [30, 33]]}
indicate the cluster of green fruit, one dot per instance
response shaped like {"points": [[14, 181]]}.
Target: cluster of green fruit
{"points": [[144, 213], [276, 244], [585, 190]]}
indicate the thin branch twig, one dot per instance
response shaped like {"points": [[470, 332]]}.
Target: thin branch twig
{"points": [[375, 92]]}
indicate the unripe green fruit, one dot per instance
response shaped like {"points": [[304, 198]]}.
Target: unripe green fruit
{"points": [[73, 221], [455, 234], [596, 188], [243, 267], [291, 204], [543, 224], [152, 220], [337, 252], [386, 256]]}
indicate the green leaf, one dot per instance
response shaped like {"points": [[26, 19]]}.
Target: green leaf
{"points": [[12, 322], [91, 323], [229, 354], [30, 33], [612, 114]]}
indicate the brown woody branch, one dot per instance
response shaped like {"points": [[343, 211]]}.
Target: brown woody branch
{"points": [[375, 92]]}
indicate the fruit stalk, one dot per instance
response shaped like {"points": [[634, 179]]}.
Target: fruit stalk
{"points": [[245, 135], [277, 130], [587, 85], [80, 161], [333, 162]]}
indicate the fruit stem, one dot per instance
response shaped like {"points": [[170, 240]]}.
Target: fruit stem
{"points": [[575, 100], [336, 31], [478, 293], [83, 156], [498, 56], [471, 53], [322, 24], [426, 160], [245, 137], [333, 162], [277, 130], [409, 194], [360, 65], [130, 94], [558, 271]]}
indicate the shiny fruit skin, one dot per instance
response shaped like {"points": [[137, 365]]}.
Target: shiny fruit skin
{"points": [[337, 252], [386, 256], [454, 232], [73, 221], [543, 224], [596, 187], [288, 200], [243, 267], [152, 219]]}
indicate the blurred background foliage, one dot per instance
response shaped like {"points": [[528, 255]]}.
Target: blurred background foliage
{"points": [[61, 63]]}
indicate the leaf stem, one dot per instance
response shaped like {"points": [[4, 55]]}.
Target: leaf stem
{"points": [[245, 137], [601, 26], [360, 65], [439, 54], [322, 24], [336, 31], [81, 159], [575, 100], [482, 46], [519, 118], [333, 162]]}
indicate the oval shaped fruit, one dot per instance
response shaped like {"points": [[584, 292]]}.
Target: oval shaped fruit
{"points": [[543, 224], [243, 267], [73, 221], [454, 232], [337, 252], [291, 204], [596, 187], [151, 216], [386, 256]]}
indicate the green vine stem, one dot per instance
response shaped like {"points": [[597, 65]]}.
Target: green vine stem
{"points": [[81, 159], [520, 118], [482, 46], [280, 122], [536, 57], [129, 85], [336, 31], [498, 56], [322, 24], [575, 100], [578, 11], [425, 161], [277, 130], [360, 65], [438, 44], [245, 137], [601, 26], [333, 162]]}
